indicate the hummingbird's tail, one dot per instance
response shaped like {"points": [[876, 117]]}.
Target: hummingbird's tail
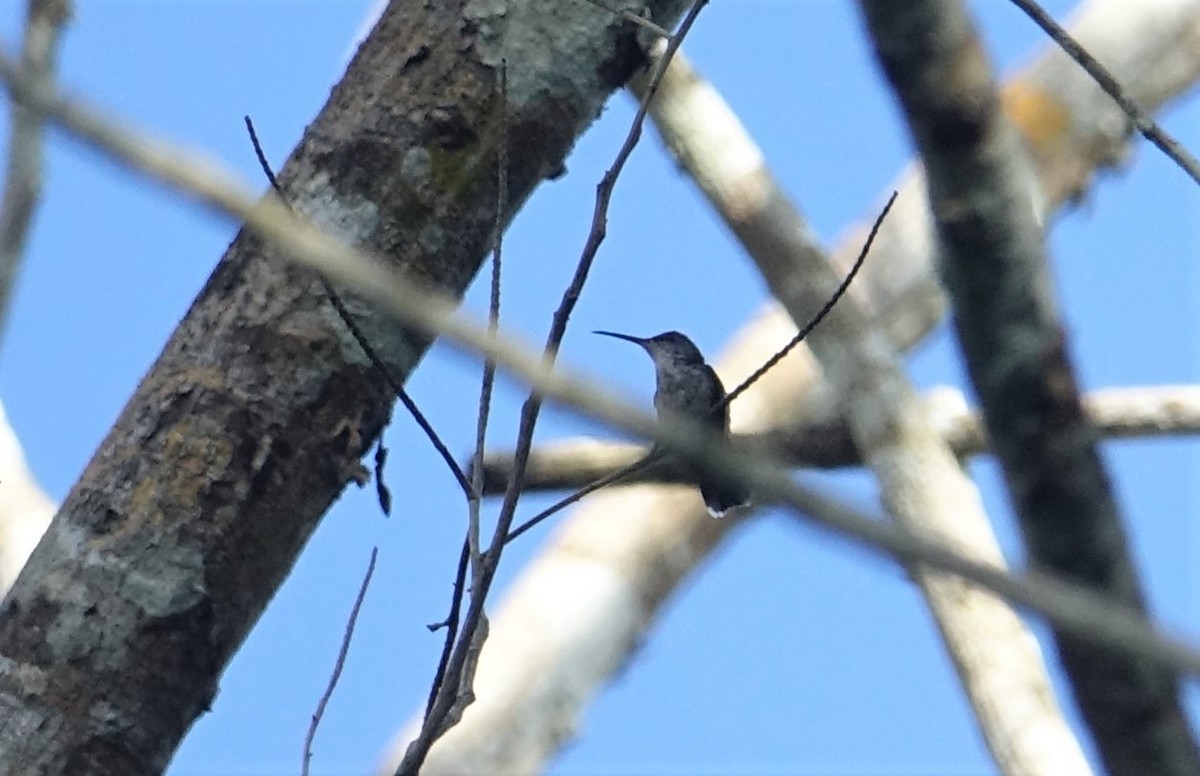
{"points": [[721, 498]]}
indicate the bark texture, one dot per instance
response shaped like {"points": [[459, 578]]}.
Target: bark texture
{"points": [[254, 417]]}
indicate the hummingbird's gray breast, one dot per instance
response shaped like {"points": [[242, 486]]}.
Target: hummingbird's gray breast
{"points": [[691, 390]]}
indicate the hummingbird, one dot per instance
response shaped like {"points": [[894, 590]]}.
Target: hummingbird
{"points": [[688, 387]]}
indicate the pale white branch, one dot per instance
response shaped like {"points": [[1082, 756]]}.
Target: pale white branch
{"points": [[1142, 412], [25, 510]]}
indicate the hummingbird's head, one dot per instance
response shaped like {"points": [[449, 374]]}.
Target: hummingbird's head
{"points": [[668, 348], [676, 346]]}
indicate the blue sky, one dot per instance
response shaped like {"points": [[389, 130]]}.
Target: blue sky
{"points": [[789, 652]]}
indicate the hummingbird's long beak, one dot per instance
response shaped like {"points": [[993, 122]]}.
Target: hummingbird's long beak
{"points": [[626, 337]]}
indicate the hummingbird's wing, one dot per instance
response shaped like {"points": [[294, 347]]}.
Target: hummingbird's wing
{"points": [[716, 419], [720, 498]]}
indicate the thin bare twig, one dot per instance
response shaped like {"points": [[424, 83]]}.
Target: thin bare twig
{"points": [[591, 487], [470, 489], [489, 366], [339, 664], [816, 319], [448, 695], [470, 551], [1142, 120], [393, 382]]}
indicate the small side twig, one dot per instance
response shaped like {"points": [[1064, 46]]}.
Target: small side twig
{"points": [[1142, 121], [591, 487], [489, 366], [382, 491], [471, 552], [630, 16], [451, 626], [339, 664]]}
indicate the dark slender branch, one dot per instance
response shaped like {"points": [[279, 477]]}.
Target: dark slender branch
{"points": [[432, 727], [1142, 120], [263, 164], [393, 382], [469, 489], [489, 366], [1018, 357], [339, 664]]}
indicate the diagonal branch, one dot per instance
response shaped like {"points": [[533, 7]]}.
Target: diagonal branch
{"points": [[1144, 123], [994, 267], [1077, 610], [921, 482], [44, 21], [1117, 413]]}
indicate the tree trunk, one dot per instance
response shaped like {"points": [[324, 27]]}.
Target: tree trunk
{"points": [[255, 415]]}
